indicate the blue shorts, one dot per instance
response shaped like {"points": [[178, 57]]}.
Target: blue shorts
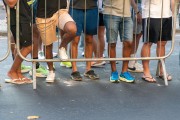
{"points": [[115, 25], [89, 24], [34, 11]]}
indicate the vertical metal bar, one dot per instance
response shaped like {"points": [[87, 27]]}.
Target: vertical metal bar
{"points": [[164, 72], [17, 28], [34, 75]]}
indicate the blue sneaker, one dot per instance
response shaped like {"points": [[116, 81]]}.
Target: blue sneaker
{"points": [[114, 77], [126, 77]]}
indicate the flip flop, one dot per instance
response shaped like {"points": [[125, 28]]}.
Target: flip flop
{"points": [[149, 79], [26, 80], [169, 77], [14, 81]]}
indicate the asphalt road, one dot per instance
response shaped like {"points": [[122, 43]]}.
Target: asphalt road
{"points": [[92, 100]]}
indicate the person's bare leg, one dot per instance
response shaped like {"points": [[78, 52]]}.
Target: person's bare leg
{"points": [[112, 54], [126, 53], [35, 42], [101, 43], [95, 49], [74, 52], [13, 47], [88, 50], [160, 51], [145, 52], [14, 73], [69, 34], [49, 55]]}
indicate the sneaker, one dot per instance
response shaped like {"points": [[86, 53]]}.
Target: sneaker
{"points": [[126, 77], [50, 77], [40, 72], [66, 64], [25, 69], [76, 76], [96, 64], [137, 67], [48, 67], [82, 54], [114, 77], [54, 54], [41, 55], [90, 74], [62, 54]]}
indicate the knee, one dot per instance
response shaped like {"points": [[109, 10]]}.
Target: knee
{"points": [[89, 39], [71, 29], [127, 44], [112, 45], [161, 43]]}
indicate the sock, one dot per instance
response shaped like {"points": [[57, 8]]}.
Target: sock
{"points": [[37, 63]]}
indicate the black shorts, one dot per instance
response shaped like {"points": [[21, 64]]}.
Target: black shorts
{"points": [[25, 34], [152, 28], [101, 21]]}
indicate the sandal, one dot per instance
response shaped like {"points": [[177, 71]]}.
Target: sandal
{"points": [[14, 81], [27, 80], [149, 79], [169, 77]]}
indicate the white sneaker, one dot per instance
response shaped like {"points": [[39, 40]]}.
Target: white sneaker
{"points": [[62, 54], [41, 55], [137, 67], [82, 54], [54, 54], [50, 77]]}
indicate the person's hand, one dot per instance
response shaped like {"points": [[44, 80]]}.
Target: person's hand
{"points": [[139, 17]]}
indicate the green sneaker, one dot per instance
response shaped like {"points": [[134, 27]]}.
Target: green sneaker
{"points": [[25, 69], [66, 64], [40, 72]]}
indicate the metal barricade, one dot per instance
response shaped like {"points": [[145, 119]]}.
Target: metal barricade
{"points": [[160, 59], [8, 42]]}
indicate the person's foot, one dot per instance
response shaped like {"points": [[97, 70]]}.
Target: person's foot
{"points": [[99, 63], [66, 64], [135, 67], [126, 77], [14, 78], [169, 77], [41, 55], [25, 68], [148, 78], [91, 74], [62, 54], [40, 72], [24, 79], [114, 77], [50, 77], [76, 76]]}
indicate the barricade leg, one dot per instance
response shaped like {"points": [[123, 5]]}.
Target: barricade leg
{"points": [[161, 61], [34, 75]]}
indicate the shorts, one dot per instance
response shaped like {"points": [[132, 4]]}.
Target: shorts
{"points": [[34, 11], [115, 25], [25, 34], [101, 21], [47, 27], [137, 27], [153, 30], [86, 24]]}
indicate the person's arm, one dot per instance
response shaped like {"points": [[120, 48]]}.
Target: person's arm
{"points": [[138, 14], [172, 6], [11, 3]]}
